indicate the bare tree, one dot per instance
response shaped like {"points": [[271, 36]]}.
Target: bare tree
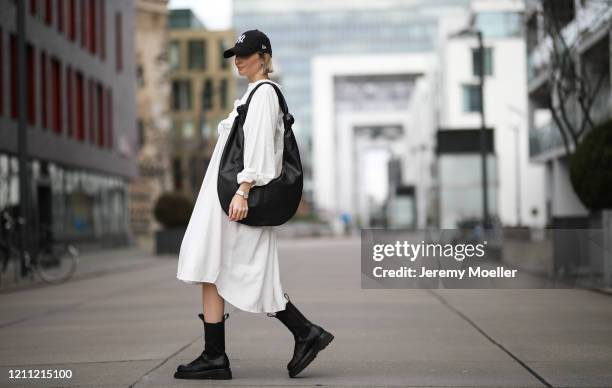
{"points": [[571, 85]]}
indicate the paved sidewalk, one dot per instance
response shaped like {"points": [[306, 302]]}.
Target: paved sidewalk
{"points": [[90, 263], [132, 328]]}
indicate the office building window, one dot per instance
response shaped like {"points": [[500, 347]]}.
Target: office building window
{"points": [[100, 106], [204, 127], [174, 55], [488, 60], [177, 173], [223, 93], [103, 29], [13, 70], [92, 26], [31, 84], [1, 73], [196, 52], [471, 98], [187, 129], [43, 90], [118, 42], [92, 122], [80, 107], [109, 109], [194, 171], [60, 15], [48, 12], [56, 96], [83, 6], [500, 24], [207, 94], [181, 95], [224, 62], [69, 102], [72, 19]]}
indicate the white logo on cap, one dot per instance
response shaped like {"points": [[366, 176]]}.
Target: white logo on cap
{"points": [[263, 46], [241, 39]]}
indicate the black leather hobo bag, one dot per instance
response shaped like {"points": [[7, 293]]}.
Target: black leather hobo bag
{"points": [[277, 201]]}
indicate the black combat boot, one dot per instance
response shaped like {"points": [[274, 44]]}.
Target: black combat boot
{"points": [[309, 338], [213, 363]]}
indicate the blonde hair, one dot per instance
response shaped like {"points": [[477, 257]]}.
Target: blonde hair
{"points": [[267, 64]]}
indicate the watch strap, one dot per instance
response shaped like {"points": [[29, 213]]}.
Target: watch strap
{"points": [[242, 194]]}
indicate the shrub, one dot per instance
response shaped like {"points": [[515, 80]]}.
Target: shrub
{"points": [[591, 168], [173, 210]]}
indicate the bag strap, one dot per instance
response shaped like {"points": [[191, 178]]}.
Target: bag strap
{"points": [[281, 99]]}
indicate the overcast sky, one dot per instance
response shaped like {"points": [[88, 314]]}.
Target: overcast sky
{"points": [[215, 14]]}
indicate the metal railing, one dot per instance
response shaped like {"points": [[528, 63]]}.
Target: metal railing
{"points": [[543, 139]]}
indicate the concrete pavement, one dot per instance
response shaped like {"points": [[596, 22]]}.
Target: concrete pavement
{"points": [[133, 327]]}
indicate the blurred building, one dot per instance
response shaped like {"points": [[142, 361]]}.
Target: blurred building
{"points": [[202, 94], [153, 125], [515, 186], [360, 80], [587, 28], [81, 115]]}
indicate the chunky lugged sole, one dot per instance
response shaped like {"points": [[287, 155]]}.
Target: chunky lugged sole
{"points": [[321, 343], [212, 374]]}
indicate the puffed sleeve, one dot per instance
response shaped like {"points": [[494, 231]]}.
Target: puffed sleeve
{"points": [[259, 130]]}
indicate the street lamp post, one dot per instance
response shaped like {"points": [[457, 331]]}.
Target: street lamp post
{"points": [[471, 31], [483, 145], [22, 129]]}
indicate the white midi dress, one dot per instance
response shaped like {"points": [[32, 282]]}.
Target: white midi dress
{"points": [[241, 260]]}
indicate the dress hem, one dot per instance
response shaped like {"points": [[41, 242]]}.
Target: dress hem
{"points": [[221, 293]]}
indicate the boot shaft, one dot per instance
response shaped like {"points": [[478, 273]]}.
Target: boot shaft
{"points": [[295, 321], [214, 336]]}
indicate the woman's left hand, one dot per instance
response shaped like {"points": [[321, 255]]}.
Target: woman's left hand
{"points": [[238, 208]]}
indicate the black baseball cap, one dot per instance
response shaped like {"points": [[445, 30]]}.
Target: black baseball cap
{"points": [[250, 42]]}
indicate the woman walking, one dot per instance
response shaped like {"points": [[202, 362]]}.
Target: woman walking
{"points": [[234, 262]]}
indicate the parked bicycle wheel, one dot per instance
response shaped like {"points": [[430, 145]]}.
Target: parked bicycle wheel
{"points": [[56, 264]]}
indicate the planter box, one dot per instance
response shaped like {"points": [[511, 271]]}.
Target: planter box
{"points": [[600, 254], [582, 251], [168, 241]]}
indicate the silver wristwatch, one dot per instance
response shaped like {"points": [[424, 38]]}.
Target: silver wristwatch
{"points": [[242, 194]]}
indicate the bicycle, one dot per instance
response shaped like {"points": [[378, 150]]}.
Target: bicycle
{"points": [[53, 262]]}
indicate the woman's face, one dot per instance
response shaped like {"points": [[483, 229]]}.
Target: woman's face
{"points": [[248, 65]]}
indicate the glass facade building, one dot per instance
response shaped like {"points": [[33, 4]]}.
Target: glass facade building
{"points": [[500, 24], [301, 30]]}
